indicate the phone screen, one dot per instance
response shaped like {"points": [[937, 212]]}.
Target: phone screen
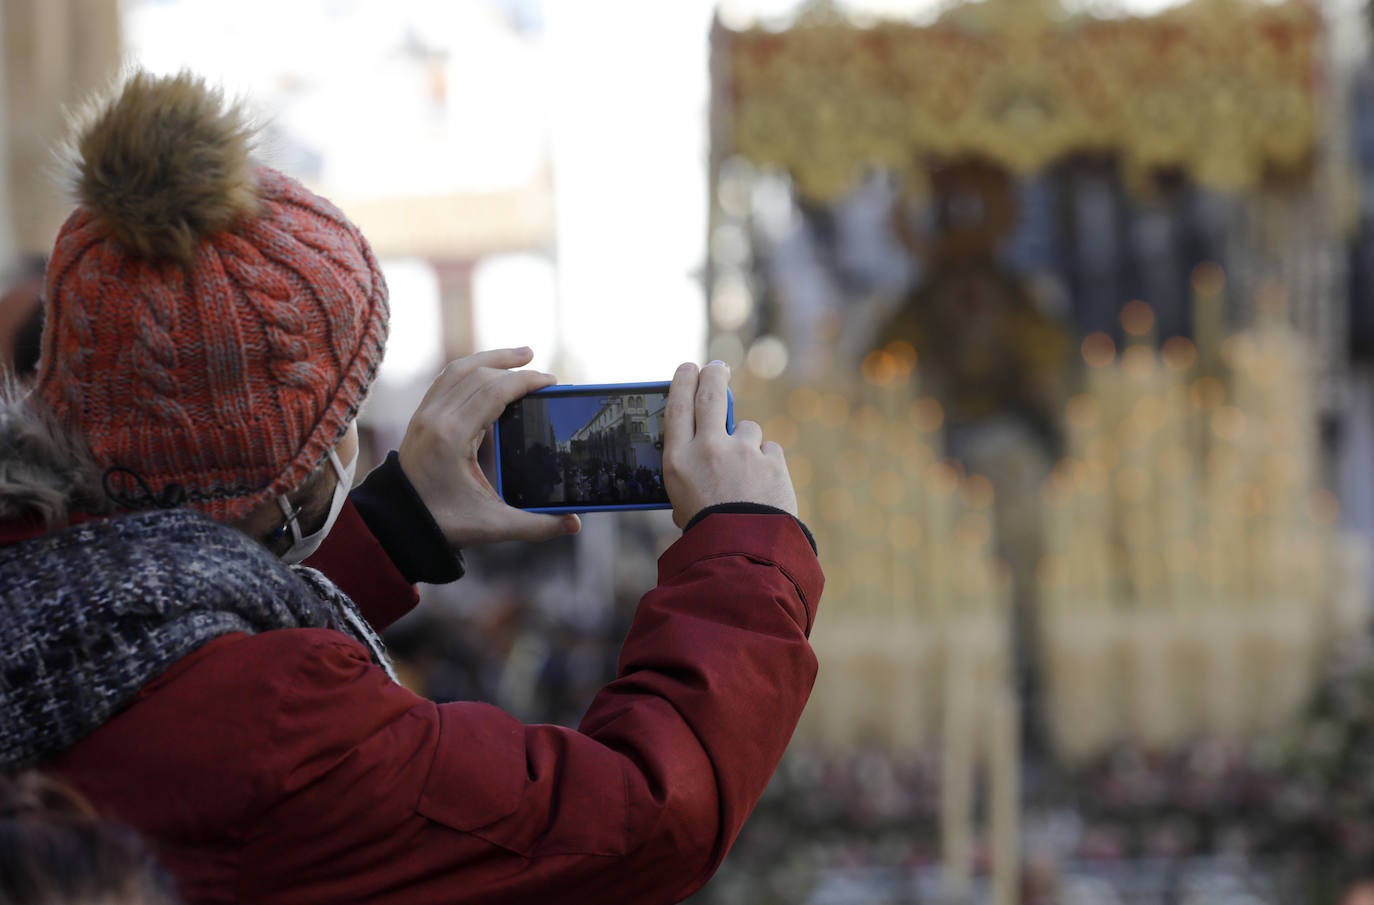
{"points": [[582, 449]]}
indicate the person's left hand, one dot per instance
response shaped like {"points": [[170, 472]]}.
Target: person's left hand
{"points": [[439, 451]]}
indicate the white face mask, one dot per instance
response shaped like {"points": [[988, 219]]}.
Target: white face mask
{"points": [[303, 547]]}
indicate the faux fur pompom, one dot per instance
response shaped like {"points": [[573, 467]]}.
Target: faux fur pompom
{"points": [[163, 162]]}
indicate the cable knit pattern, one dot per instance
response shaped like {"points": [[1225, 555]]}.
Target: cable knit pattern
{"points": [[71, 337], [154, 352], [232, 376], [283, 317], [93, 613]]}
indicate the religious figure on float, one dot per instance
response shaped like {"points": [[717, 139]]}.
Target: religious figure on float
{"points": [[984, 346]]}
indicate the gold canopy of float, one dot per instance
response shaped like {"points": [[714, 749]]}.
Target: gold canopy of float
{"points": [[1223, 91]]}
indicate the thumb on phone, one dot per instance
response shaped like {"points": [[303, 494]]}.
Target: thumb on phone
{"points": [[703, 465]]}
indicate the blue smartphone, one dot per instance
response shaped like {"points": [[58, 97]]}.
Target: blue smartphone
{"points": [[594, 448]]}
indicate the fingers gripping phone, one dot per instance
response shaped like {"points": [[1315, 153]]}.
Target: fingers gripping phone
{"points": [[594, 448]]}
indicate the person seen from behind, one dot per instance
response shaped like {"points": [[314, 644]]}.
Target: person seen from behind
{"points": [[192, 594]]}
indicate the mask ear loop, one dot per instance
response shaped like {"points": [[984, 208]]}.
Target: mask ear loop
{"points": [[291, 525], [339, 471]]}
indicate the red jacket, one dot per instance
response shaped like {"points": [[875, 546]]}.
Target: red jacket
{"points": [[285, 767]]}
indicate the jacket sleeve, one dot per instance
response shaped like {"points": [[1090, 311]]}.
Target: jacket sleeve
{"points": [[386, 797], [711, 683], [353, 558]]}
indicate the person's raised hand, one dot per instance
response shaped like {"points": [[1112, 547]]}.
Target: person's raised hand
{"points": [[439, 451], [702, 464]]}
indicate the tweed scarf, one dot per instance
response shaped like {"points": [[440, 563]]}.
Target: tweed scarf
{"points": [[92, 613]]}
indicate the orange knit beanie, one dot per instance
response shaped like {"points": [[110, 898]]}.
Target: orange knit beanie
{"points": [[212, 326]]}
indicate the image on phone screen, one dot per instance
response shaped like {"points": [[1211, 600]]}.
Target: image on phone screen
{"points": [[584, 448]]}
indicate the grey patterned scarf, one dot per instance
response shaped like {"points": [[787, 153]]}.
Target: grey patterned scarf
{"points": [[92, 613]]}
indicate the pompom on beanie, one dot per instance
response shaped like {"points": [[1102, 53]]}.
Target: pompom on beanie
{"points": [[212, 326]]}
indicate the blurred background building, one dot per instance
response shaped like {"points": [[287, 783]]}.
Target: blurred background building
{"points": [[1064, 310]]}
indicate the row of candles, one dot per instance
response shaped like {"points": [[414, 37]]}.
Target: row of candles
{"points": [[915, 638], [1194, 568], [1190, 579], [907, 540], [1186, 519]]}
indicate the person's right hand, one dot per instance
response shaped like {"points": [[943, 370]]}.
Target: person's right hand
{"points": [[702, 464], [439, 452]]}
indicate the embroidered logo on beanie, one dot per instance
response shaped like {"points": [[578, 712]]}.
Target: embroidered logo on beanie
{"points": [[212, 325]]}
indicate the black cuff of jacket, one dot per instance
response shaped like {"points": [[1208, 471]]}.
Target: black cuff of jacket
{"points": [[401, 522], [751, 509]]}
